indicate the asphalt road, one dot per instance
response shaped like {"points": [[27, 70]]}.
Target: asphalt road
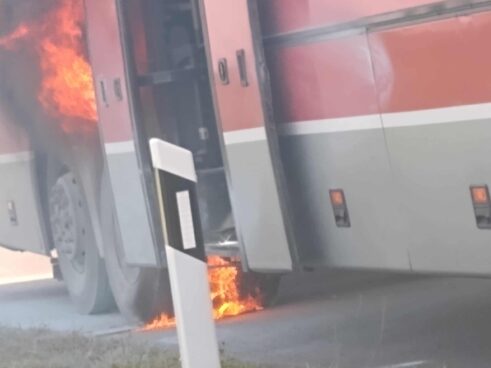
{"points": [[322, 319]]}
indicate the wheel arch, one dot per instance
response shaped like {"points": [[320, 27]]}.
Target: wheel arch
{"points": [[82, 155]]}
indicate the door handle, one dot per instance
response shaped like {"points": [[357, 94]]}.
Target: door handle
{"points": [[241, 61], [223, 71], [103, 92]]}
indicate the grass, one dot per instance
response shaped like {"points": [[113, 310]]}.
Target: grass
{"points": [[45, 349]]}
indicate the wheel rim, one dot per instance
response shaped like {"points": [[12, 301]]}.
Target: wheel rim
{"points": [[67, 219]]}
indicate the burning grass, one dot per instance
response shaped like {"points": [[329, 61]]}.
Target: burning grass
{"points": [[43, 348]]}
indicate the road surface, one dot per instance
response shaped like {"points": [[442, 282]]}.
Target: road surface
{"points": [[322, 319]]}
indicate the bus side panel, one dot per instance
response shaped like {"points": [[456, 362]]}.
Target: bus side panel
{"points": [[20, 226], [115, 124], [256, 177], [434, 87], [332, 138], [293, 15], [407, 177]]}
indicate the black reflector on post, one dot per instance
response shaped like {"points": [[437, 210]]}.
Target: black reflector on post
{"points": [[176, 184]]}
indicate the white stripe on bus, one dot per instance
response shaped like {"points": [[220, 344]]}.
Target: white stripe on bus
{"points": [[444, 115], [366, 122], [17, 157], [245, 135], [120, 147], [363, 122]]}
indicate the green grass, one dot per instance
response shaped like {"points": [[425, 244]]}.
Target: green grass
{"points": [[45, 349]]}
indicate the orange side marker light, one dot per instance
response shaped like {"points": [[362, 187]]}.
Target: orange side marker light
{"points": [[337, 197], [480, 194]]}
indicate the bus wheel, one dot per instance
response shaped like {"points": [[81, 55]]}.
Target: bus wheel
{"points": [[82, 268], [141, 293]]}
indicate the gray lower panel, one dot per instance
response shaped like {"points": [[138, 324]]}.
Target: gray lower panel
{"points": [[433, 166], [409, 212], [131, 210], [413, 212], [17, 190], [357, 162], [214, 205], [257, 208]]}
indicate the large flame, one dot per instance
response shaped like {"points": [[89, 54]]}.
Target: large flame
{"points": [[66, 91], [224, 278], [67, 87]]}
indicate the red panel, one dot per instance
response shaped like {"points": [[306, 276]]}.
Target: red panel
{"points": [[434, 65], [107, 63], [229, 30], [325, 80], [280, 16]]}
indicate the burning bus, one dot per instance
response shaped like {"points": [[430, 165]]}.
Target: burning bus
{"points": [[346, 134]]}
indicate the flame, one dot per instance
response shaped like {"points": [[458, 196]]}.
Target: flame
{"points": [[224, 278], [67, 88], [66, 91], [160, 323]]}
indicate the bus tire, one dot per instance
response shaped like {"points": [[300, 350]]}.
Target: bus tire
{"points": [[81, 266], [142, 294]]}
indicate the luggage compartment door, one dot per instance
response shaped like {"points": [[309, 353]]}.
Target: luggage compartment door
{"points": [[250, 143], [20, 211], [130, 174]]}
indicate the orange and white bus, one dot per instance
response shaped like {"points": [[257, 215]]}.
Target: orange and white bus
{"points": [[326, 133]]}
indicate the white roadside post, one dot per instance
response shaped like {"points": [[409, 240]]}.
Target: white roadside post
{"points": [[176, 184]]}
